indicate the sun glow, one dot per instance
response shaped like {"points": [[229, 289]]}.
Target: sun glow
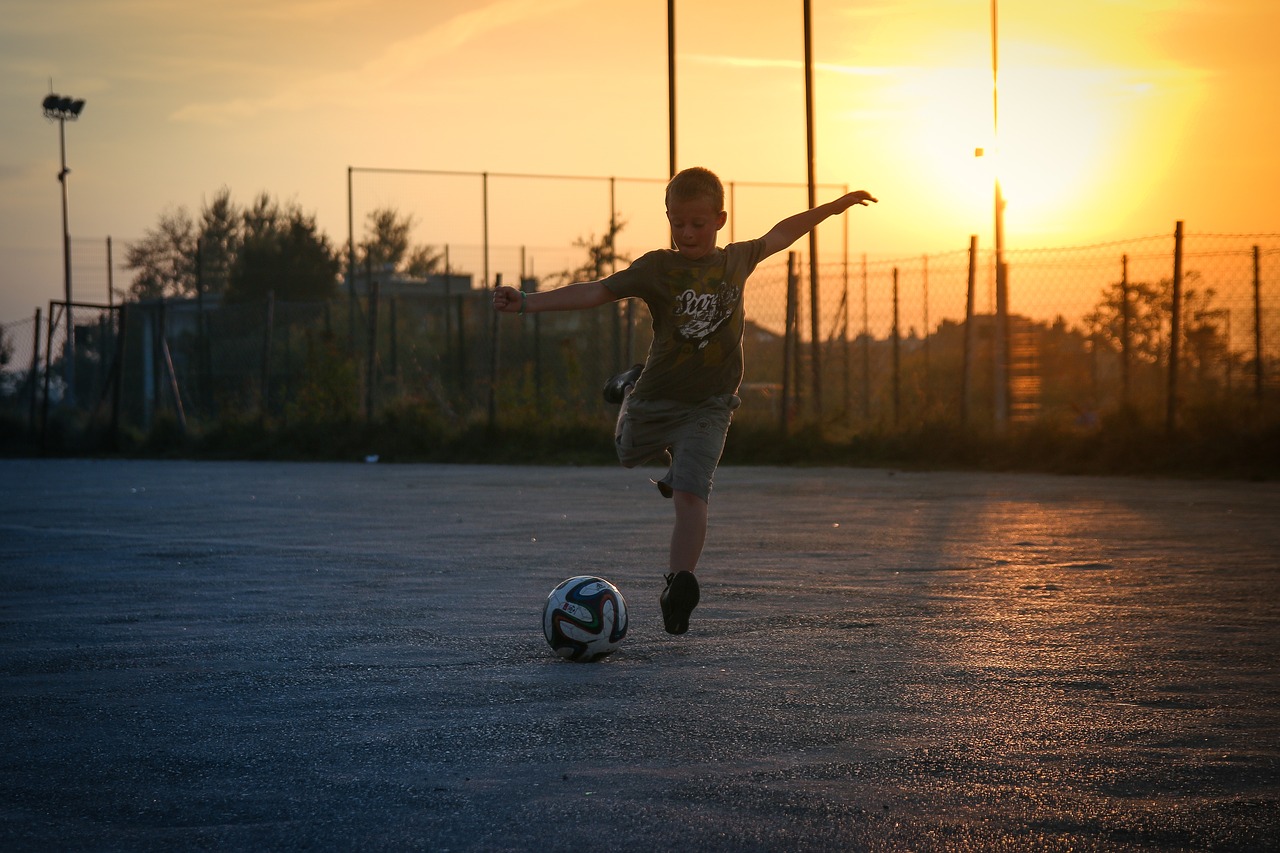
{"points": [[1064, 141]]}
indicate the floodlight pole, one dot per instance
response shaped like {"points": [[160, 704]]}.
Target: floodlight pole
{"points": [[1001, 343], [62, 109], [671, 87], [815, 304]]}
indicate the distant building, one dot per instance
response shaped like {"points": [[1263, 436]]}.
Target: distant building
{"points": [[396, 284]]}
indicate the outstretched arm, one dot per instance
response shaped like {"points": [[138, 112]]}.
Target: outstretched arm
{"points": [[793, 228], [571, 297]]}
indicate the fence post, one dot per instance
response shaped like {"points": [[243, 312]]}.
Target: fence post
{"points": [[268, 321], [1124, 330], [924, 269], [118, 384], [537, 352], [788, 344], [897, 363], [33, 373], [394, 369], [493, 362], [866, 345], [967, 356], [48, 366], [844, 339], [1257, 326], [111, 285], [1175, 332], [371, 359]]}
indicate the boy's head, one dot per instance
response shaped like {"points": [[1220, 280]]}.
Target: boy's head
{"points": [[695, 210], [696, 182]]}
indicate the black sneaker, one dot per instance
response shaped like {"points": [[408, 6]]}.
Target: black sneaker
{"points": [[615, 390], [678, 600]]}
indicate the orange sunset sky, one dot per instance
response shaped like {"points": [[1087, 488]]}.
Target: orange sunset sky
{"points": [[1117, 117]]}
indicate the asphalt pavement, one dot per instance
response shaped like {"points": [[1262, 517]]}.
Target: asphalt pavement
{"points": [[286, 656]]}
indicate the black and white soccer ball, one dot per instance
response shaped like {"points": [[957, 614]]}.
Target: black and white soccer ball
{"points": [[585, 618]]}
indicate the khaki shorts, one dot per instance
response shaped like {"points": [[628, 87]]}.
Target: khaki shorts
{"points": [[694, 435]]}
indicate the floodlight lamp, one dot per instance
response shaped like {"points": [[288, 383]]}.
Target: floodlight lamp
{"points": [[62, 108]]}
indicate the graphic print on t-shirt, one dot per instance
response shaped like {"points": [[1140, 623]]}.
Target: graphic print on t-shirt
{"points": [[705, 304]]}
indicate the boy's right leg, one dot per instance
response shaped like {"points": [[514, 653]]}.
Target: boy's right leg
{"points": [[617, 388]]}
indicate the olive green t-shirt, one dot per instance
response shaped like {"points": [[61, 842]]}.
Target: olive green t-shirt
{"points": [[697, 319]]}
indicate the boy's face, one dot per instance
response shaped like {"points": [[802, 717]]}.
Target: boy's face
{"points": [[694, 223]]}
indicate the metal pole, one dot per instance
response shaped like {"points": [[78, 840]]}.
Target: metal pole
{"points": [[69, 347], [48, 361], [925, 295], [111, 291], [848, 358], [448, 309], [33, 373], [268, 322], [1001, 355], [371, 355], [615, 311], [788, 345], [1124, 330], [1175, 331], [671, 86], [484, 205], [897, 358], [814, 313], [967, 356], [351, 266], [866, 345], [118, 370], [733, 204], [493, 366], [1257, 326]]}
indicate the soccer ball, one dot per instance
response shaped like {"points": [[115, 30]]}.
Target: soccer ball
{"points": [[585, 618]]}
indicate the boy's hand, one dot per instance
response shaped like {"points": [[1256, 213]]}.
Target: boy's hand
{"points": [[506, 299], [857, 197]]}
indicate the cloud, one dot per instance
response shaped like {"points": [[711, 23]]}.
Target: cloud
{"points": [[399, 60]]}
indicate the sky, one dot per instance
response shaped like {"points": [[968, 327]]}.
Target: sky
{"points": [[1116, 119]]}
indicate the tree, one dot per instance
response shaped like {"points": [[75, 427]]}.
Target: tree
{"points": [[1150, 308], [282, 251], [388, 243], [6, 350], [388, 246], [179, 257], [221, 225], [164, 259], [423, 261], [602, 256]]}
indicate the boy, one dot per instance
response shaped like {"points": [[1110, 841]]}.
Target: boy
{"points": [[679, 403]]}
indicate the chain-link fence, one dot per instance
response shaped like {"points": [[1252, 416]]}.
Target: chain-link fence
{"points": [[886, 343]]}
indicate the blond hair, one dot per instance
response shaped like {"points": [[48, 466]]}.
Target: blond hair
{"points": [[696, 182]]}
